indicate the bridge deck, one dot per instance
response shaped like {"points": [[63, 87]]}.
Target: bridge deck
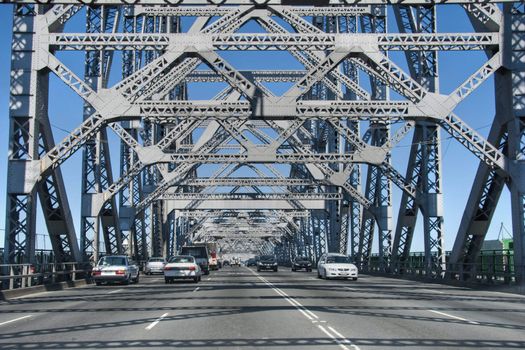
{"points": [[237, 308]]}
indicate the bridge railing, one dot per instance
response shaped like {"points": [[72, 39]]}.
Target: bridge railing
{"points": [[14, 276], [491, 266]]}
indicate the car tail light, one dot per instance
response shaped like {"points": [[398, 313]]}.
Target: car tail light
{"points": [[192, 268], [96, 273], [167, 268], [31, 269], [120, 272]]}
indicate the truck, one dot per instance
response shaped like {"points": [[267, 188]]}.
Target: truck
{"points": [[213, 254]]}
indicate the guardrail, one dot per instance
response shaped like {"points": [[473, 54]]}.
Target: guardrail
{"points": [[490, 267], [489, 273], [13, 276]]}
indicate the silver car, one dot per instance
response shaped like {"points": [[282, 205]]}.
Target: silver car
{"points": [[155, 265], [115, 268]]}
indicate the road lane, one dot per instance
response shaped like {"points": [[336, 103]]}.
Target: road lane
{"points": [[238, 308], [233, 310], [376, 312]]}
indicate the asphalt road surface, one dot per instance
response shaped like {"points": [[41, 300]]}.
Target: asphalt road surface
{"points": [[238, 308]]}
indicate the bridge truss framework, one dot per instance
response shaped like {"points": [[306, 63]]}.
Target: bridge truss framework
{"points": [[334, 129]]}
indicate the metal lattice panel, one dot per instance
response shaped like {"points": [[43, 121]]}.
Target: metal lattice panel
{"points": [[337, 120]]}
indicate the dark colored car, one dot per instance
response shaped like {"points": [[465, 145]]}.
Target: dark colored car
{"points": [[200, 253], [301, 263], [267, 262], [251, 262]]}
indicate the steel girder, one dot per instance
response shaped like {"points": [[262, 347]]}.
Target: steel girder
{"points": [[96, 163], [30, 138], [424, 167], [154, 69], [507, 133], [269, 2]]}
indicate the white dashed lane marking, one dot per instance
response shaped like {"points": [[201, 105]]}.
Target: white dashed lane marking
{"points": [[452, 316], [338, 338], [154, 323], [16, 319]]}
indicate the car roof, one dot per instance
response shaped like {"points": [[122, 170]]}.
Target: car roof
{"points": [[335, 254]]}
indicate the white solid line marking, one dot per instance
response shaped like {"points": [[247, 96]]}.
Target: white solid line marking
{"points": [[309, 314], [31, 295], [343, 339], [452, 316], [115, 291], [325, 331], [16, 319], [351, 289], [196, 289], [434, 291], [154, 323]]}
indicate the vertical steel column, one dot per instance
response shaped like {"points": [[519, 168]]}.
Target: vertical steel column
{"points": [[378, 187], [424, 166], [96, 164], [131, 194], [351, 209], [168, 248], [508, 135], [514, 60], [27, 85]]}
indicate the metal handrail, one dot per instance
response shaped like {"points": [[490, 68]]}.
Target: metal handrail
{"points": [[14, 276]]}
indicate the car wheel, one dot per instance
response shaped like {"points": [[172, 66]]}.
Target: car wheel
{"points": [[354, 279], [319, 274], [200, 277], [137, 278], [308, 270], [258, 270], [196, 279], [126, 281], [166, 280], [293, 270], [98, 283], [275, 270]]}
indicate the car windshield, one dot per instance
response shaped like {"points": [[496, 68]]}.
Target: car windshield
{"points": [[156, 260], [338, 260], [267, 258], [182, 259], [112, 260]]}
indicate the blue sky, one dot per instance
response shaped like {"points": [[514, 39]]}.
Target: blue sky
{"points": [[459, 165]]}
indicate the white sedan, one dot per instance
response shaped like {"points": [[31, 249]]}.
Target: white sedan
{"points": [[182, 267], [333, 265]]}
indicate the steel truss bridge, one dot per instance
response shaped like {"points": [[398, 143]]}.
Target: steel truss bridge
{"points": [[319, 154]]}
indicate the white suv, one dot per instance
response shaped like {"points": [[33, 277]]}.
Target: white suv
{"points": [[334, 265]]}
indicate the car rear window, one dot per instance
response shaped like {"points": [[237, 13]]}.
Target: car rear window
{"points": [[112, 260], [156, 260], [182, 259]]}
